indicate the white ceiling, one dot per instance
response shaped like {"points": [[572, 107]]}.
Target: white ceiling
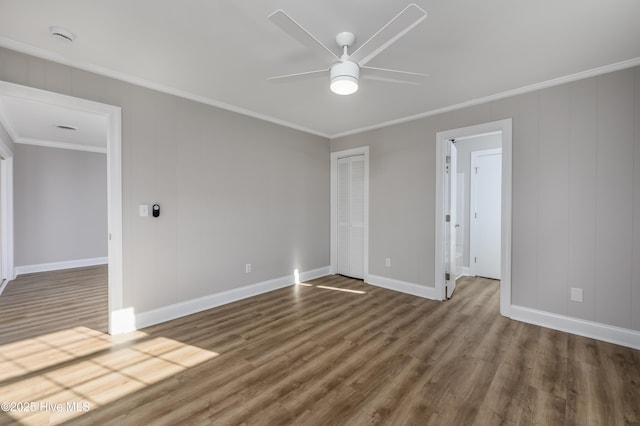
{"points": [[37, 123], [221, 51]]}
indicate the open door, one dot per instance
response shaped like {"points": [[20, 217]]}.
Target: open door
{"points": [[450, 218]]}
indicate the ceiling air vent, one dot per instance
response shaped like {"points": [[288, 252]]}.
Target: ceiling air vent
{"points": [[66, 127], [62, 34]]}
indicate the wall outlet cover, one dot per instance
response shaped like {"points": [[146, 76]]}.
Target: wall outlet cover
{"points": [[576, 294]]}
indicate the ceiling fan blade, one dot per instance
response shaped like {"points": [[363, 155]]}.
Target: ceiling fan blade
{"points": [[295, 30], [393, 76], [299, 75], [404, 21]]}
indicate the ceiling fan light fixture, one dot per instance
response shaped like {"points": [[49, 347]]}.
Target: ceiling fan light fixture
{"points": [[344, 85], [344, 78]]}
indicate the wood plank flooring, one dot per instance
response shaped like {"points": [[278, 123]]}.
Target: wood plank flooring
{"points": [[328, 352]]}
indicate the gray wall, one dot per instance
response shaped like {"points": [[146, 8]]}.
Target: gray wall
{"points": [[464, 149], [237, 190], [233, 189], [576, 195], [60, 205]]}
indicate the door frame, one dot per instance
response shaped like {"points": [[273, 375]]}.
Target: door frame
{"points": [[335, 156], [450, 208], [505, 127], [119, 320], [6, 215]]}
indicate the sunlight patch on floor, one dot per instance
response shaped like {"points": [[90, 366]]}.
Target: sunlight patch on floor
{"points": [[346, 290], [66, 373], [326, 287]]}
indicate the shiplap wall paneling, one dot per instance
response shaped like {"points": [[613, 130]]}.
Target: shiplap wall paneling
{"points": [[614, 188], [553, 206], [525, 199], [582, 197]]}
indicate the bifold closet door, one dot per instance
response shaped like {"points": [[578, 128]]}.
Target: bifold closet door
{"points": [[351, 216]]}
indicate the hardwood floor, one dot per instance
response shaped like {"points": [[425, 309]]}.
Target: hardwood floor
{"points": [[330, 351]]}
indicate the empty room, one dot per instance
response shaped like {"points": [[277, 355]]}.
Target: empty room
{"points": [[319, 213]]}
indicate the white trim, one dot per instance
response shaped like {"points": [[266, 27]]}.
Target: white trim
{"points": [[181, 309], [312, 274], [55, 57], [6, 217], [56, 266], [3, 285], [6, 213], [404, 287], [61, 145], [504, 126], [580, 327], [441, 154], [629, 63], [465, 271], [114, 177], [335, 156], [114, 215]]}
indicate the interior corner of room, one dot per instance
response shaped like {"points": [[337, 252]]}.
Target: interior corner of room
{"points": [[171, 187], [351, 241], [212, 232]]}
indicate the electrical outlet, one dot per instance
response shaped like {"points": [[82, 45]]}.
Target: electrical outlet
{"points": [[247, 268], [387, 262], [576, 294], [144, 210]]}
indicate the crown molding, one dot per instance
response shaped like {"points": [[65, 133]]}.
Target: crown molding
{"points": [[106, 72], [61, 145], [56, 57], [502, 95]]}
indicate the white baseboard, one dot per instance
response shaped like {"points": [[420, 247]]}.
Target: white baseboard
{"points": [[595, 330], [3, 285], [403, 287], [315, 273], [55, 266], [188, 307]]}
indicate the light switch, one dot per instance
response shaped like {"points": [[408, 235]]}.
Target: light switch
{"points": [[144, 209]]}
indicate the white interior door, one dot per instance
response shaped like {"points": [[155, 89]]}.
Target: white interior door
{"points": [[350, 216], [450, 219], [486, 189]]}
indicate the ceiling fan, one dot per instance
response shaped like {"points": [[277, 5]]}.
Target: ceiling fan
{"points": [[346, 70]]}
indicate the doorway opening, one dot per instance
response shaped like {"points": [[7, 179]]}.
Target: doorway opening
{"points": [[114, 189], [459, 229]]}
